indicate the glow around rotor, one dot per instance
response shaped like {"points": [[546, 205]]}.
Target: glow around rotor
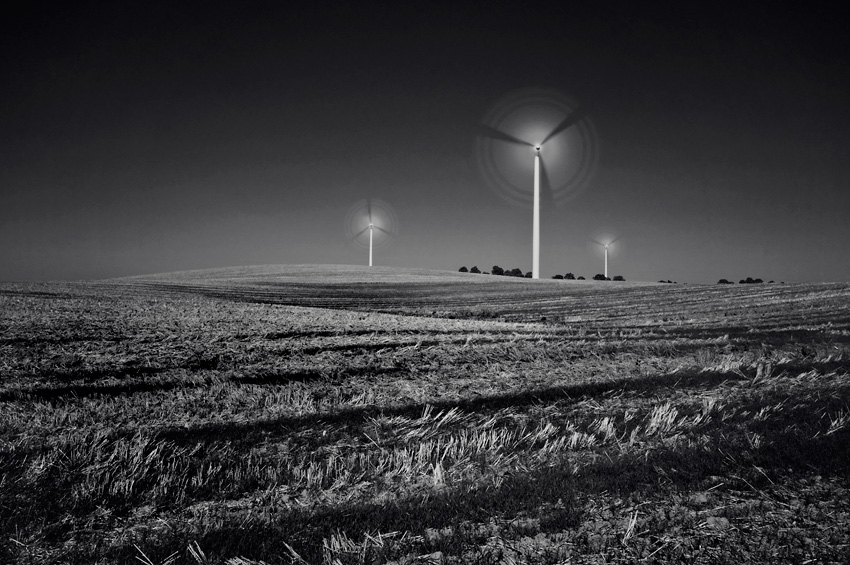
{"points": [[603, 239], [536, 122], [371, 213]]}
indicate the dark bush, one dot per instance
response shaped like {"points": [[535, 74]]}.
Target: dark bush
{"points": [[529, 275], [724, 281], [463, 270], [570, 277], [600, 277], [619, 278], [474, 270], [580, 278], [558, 277], [497, 270], [515, 272]]}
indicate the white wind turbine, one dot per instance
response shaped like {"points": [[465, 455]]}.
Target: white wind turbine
{"points": [[521, 130], [371, 215], [606, 243]]}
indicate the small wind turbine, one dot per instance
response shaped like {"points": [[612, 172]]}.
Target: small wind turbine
{"points": [[370, 216], [608, 243], [534, 119]]}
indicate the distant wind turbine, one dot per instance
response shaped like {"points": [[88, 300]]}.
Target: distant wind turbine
{"points": [[608, 243], [371, 215], [519, 127]]}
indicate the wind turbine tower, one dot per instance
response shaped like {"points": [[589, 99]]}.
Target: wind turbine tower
{"points": [[606, 261], [535, 238], [526, 121]]}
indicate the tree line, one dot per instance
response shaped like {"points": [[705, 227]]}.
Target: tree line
{"points": [[748, 280], [516, 272], [497, 270]]}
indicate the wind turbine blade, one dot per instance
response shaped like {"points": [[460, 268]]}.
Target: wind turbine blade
{"points": [[361, 232], [493, 133], [566, 123], [379, 228]]}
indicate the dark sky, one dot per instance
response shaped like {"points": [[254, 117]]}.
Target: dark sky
{"points": [[143, 137]]}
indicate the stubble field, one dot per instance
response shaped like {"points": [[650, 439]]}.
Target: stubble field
{"points": [[347, 415]]}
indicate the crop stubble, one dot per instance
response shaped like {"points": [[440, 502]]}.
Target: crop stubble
{"points": [[223, 416]]}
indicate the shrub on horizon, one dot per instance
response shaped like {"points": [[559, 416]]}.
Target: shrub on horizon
{"points": [[570, 277], [474, 270], [463, 269], [529, 275], [580, 278], [497, 270], [600, 277], [558, 277], [619, 278]]}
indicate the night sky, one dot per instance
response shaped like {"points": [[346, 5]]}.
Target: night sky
{"points": [[142, 138]]}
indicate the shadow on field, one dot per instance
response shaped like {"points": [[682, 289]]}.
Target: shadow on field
{"points": [[650, 386], [40, 340], [424, 343], [738, 335], [776, 336], [250, 432], [136, 387], [34, 293], [308, 333], [257, 378], [549, 494]]}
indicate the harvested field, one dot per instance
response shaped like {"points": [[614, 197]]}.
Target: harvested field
{"points": [[326, 414]]}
